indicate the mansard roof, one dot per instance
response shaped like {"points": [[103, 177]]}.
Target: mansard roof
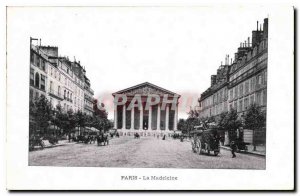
{"points": [[145, 89]]}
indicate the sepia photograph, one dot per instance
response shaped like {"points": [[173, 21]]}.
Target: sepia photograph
{"points": [[179, 89]]}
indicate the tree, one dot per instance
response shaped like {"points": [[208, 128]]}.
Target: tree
{"points": [[41, 112], [255, 119], [99, 110], [221, 122], [67, 121], [81, 119], [193, 113], [100, 120], [231, 122], [182, 125]]}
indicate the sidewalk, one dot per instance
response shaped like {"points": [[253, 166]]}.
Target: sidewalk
{"points": [[260, 150], [60, 143]]}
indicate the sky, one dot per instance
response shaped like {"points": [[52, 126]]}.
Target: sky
{"points": [[176, 48]]}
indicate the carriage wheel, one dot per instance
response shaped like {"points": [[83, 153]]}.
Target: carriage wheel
{"points": [[216, 153]]}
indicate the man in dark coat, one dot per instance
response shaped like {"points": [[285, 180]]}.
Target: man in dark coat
{"points": [[233, 147]]}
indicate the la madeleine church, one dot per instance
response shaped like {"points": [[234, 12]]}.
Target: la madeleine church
{"points": [[146, 109]]}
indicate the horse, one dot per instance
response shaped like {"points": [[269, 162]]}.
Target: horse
{"points": [[103, 138], [36, 141], [81, 138], [53, 140]]}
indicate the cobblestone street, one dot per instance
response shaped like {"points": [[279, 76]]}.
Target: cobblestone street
{"points": [[145, 152]]}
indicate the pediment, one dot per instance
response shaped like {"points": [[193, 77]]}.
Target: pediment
{"points": [[145, 89]]}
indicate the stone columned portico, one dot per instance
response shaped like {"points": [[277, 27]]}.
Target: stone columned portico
{"points": [[146, 109]]}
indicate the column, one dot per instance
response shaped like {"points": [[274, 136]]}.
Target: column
{"points": [[141, 117], [124, 117], [116, 117], [150, 119], [158, 118], [132, 119], [175, 118], [167, 118]]}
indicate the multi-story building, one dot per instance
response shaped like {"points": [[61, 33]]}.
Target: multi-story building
{"points": [[214, 100], [54, 81], [248, 73], [242, 82], [88, 97], [38, 72], [68, 83], [60, 80], [79, 74]]}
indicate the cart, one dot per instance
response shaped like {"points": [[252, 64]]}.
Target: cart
{"points": [[205, 141]]}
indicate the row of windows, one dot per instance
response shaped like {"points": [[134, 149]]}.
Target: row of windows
{"points": [[247, 57], [54, 73], [34, 94], [37, 61], [37, 80], [218, 109], [78, 102], [248, 86], [220, 96], [259, 98]]}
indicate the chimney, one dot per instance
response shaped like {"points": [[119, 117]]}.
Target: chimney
{"points": [[40, 42], [257, 26], [231, 61], [265, 33], [248, 41], [213, 80]]}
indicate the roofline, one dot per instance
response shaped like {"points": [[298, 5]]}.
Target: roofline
{"points": [[145, 83]]}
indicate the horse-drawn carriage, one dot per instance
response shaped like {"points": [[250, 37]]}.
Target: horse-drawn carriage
{"points": [[36, 141], [102, 138], [205, 139]]}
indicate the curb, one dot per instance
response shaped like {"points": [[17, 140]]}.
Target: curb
{"points": [[244, 152], [56, 145]]}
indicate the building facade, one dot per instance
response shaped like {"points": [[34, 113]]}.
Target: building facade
{"points": [[59, 79], [241, 82], [214, 100], [88, 97], [146, 109], [38, 73], [248, 74]]}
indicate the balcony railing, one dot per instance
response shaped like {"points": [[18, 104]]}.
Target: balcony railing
{"points": [[87, 107], [68, 99], [55, 94], [88, 98]]}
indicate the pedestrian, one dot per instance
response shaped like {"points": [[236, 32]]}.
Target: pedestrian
{"points": [[233, 148]]}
